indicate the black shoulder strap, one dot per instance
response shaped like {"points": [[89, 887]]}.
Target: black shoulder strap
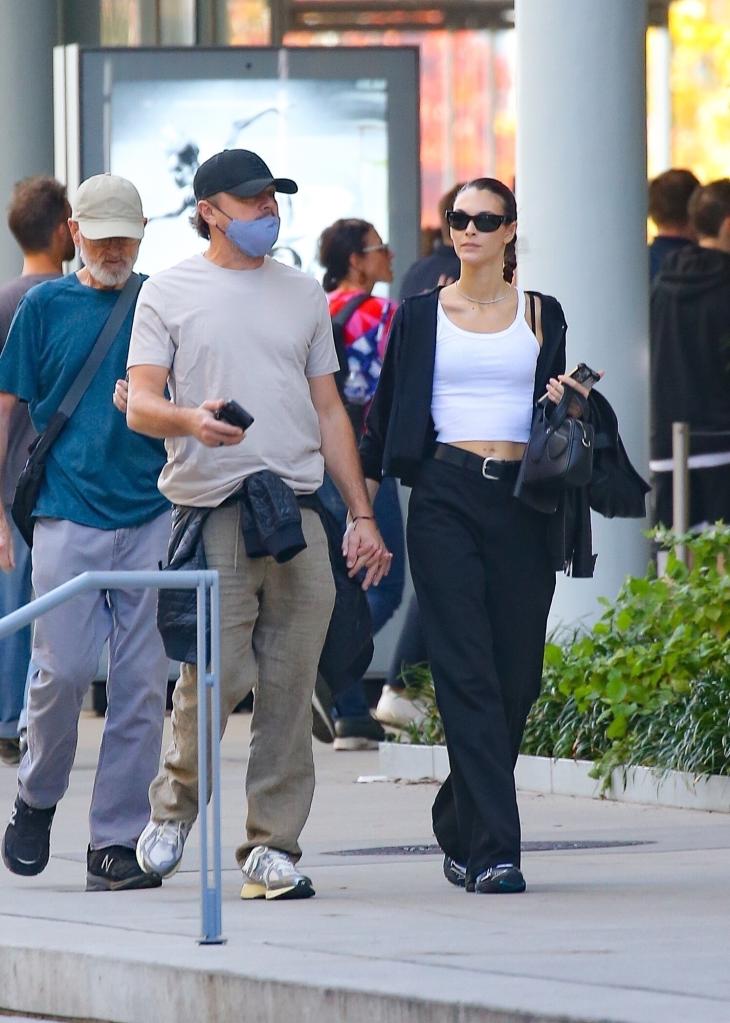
{"points": [[343, 315], [533, 318], [339, 321], [125, 301]]}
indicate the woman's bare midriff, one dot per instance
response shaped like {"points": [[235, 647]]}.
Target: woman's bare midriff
{"points": [[504, 450]]}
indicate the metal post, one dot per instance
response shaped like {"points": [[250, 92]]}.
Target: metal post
{"points": [[214, 682], [680, 485], [209, 758]]}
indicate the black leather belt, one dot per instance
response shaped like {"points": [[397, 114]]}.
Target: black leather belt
{"points": [[489, 468]]}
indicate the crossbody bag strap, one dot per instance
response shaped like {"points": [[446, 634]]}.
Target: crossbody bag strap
{"points": [[339, 322], [533, 317], [343, 315], [125, 301]]}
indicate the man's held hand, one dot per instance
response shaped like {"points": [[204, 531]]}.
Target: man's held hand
{"points": [[363, 548]]}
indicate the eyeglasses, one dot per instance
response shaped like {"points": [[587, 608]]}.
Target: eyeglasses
{"points": [[383, 247], [483, 222]]}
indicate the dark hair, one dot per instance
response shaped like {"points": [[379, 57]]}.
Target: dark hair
{"points": [[669, 194], [446, 202], [509, 207], [36, 208], [336, 244], [709, 208], [199, 224]]}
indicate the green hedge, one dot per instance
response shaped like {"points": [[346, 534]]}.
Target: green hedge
{"points": [[648, 684]]}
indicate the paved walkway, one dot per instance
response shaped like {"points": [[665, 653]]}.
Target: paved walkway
{"points": [[628, 934]]}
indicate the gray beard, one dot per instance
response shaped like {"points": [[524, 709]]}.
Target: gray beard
{"points": [[109, 278]]}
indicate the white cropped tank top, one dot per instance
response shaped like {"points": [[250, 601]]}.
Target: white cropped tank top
{"points": [[483, 383]]}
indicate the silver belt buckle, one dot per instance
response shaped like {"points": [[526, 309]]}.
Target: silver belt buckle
{"points": [[485, 473]]}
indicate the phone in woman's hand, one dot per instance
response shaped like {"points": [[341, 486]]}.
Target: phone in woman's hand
{"points": [[582, 374]]}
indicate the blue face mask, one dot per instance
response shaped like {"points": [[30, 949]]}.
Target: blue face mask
{"points": [[254, 237]]}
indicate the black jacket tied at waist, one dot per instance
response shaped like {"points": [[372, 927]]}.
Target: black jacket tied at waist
{"points": [[271, 523]]}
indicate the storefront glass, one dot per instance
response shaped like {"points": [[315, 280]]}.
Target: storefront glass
{"points": [[700, 86], [467, 102], [249, 22]]}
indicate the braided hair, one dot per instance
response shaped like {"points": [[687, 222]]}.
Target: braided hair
{"points": [[509, 206]]}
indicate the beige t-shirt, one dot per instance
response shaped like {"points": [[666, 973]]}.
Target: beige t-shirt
{"points": [[253, 335]]}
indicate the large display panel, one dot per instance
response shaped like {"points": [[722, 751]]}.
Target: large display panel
{"points": [[343, 124]]}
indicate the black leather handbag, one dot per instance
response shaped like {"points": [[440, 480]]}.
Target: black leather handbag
{"points": [[560, 448]]}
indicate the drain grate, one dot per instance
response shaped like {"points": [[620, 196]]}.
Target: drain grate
{"points": [[434, 850]]}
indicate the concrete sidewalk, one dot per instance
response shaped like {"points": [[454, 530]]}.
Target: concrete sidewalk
{"points": [[630, 934]]}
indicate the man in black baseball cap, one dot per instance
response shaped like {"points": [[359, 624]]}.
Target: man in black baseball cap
{"points": [[233, 322], [238, 172]]}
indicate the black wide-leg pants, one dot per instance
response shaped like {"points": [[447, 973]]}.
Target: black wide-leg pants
{"points": [[484, 583]]}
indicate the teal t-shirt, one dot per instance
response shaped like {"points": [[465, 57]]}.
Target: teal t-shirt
{"points": [[98, 473]]}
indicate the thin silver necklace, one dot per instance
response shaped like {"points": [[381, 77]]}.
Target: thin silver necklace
{"points": [[483, 301]]}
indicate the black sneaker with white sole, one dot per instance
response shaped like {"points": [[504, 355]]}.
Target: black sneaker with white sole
{"points": [[504, 879], [454, 872], [27, 839], [358, 733], [115, 869]]}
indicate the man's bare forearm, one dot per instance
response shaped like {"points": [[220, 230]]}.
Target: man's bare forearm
{"points": [[156, 416], [342, 460], [7, 404]]}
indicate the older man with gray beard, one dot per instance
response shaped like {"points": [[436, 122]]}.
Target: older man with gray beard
{"points": [[98, 509]]}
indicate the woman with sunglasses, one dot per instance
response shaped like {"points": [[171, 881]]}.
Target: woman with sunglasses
{"points": [[355, 258], [451, 418]]}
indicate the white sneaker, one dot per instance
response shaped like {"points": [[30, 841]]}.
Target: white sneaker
{"points": [[271, 874], [396, 710], [160, 846]]}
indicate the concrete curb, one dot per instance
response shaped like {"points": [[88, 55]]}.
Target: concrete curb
{"points": [[108, 990], [571, 778]]}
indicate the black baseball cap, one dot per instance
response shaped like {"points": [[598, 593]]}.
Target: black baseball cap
{"points": [[238, 172]]}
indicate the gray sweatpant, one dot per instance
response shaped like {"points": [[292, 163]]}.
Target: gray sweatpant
{"points": [[66, 648]]}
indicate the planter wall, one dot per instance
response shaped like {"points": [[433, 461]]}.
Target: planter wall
{"points": [[571, 778]]}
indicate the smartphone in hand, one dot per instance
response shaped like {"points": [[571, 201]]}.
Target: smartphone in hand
{"points": [[233, 413], [582, 374]]}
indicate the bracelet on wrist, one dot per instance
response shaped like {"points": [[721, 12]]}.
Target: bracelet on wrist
{"points": [[356, 518]]}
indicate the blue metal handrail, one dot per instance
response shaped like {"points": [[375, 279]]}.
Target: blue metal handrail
{"points": [[208, 688]]}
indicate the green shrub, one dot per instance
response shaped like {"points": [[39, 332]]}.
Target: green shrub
{"points": [[648, 684]]}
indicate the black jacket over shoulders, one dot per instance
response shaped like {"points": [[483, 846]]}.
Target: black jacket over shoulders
{"points": [[400, 434]]}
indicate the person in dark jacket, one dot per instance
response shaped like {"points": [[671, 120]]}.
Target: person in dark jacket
{"points": [[451, 417], [669, 196], [440, 266], [690, 361]]}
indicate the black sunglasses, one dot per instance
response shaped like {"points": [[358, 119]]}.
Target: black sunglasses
{"points": [[484, 222]]}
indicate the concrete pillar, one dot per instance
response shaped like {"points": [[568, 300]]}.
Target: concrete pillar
{"points": [[581, 196], [28, 32]]}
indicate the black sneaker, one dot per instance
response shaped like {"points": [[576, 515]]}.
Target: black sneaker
{"points": [[27, 839], [504, 879], [323, 726], [454, 872], [10, 752], [358, 733], [115, 869]]}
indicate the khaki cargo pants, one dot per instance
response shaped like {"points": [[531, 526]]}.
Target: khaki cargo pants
{"points": [[274, 620]]}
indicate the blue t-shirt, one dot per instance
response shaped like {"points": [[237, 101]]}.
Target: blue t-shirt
{"points": [[98, 472]]}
